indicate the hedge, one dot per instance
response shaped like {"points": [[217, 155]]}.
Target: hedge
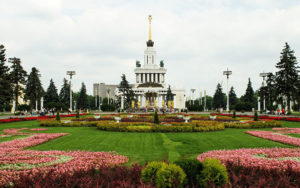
{"points": [[254, 124]]}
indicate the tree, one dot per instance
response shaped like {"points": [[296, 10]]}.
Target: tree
{"points": [[18, 77], [51, 96], [83, 98], [232, 98], [219, 99], [34, 89], [64, 95], [5, 82], [287, 75], [249, 95], [169, 96], [126, 91]]}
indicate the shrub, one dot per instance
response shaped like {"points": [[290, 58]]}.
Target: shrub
{"points": [[156, 120], [253, 125], [213, 173], [255, 116], [234, 114], [149, 173], [170, 176], [57, 116], [192, 169], [77, 114]]}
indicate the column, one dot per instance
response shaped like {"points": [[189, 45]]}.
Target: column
{"points": [[143, 103], [153, 79], [158, 76], [175, 103], [122, 102], [258, 103], [42, 102], [140, 77]]}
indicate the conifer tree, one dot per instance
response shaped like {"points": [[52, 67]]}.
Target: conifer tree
{"points": [[287, 75], [51, 96], [232, 98], [249, 95], [126, 91], [219, 99], [169, 96], [18, 77], [34, 89], [64, 95], [5, 82], [83, 98]]}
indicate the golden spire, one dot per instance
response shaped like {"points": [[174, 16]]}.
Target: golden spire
{"points": [[150, 18]]}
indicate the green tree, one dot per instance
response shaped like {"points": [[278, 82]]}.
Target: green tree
{"points": [[249, 95], [287, 75], [33, 90], [5, 82], [64, 95], [18, 76], [169, 96], [219, 99], [126, 91], [51, 96], [83, 98], [271, 92], [232, 98], [92, 101]]}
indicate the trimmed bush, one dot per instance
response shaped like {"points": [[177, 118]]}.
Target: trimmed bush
{"points": [[170, 176], [77, 114], [255, 116], [234, 114], [192, 169], [149, 173], [156, 120], [214, 173], [57, 116]]}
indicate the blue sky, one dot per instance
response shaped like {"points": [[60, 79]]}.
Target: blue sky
{"points": [[198, 40]]}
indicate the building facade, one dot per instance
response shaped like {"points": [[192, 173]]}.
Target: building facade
{"points": [[150, 86]]}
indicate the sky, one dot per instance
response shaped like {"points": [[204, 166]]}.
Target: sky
{"points": [[197, 39]]}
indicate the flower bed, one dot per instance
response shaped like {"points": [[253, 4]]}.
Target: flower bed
{"points": [[293, 119], [35, 118], [200, 126], [15, 162], [253, 124], [277, 137], [252, 167]]}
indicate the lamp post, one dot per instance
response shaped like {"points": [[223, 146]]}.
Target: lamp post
{"points": [[264, 75], [71, 73], [193, 91], [227, 73]]}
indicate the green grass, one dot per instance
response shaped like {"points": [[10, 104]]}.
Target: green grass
{"points": [[143, 147]]}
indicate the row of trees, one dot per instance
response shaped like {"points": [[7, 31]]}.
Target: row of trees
{"points": [[282, 87], [16, 83]]}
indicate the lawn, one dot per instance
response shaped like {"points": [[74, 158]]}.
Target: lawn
{"points": [[143, 147]]}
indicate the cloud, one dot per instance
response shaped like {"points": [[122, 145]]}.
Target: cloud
{"points": [[198, 40]]}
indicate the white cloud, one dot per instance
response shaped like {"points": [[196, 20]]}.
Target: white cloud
{"points": [[198, 40]]}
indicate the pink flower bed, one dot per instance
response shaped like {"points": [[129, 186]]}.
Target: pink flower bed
{"points": [[39, 129], [287, 130], [267, 159], [14, 161], [275, 137]]}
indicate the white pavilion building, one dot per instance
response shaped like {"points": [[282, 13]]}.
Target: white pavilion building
{"points": [[150, 87]]}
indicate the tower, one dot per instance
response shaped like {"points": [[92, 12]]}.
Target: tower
{"points": [[150, 72]]}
